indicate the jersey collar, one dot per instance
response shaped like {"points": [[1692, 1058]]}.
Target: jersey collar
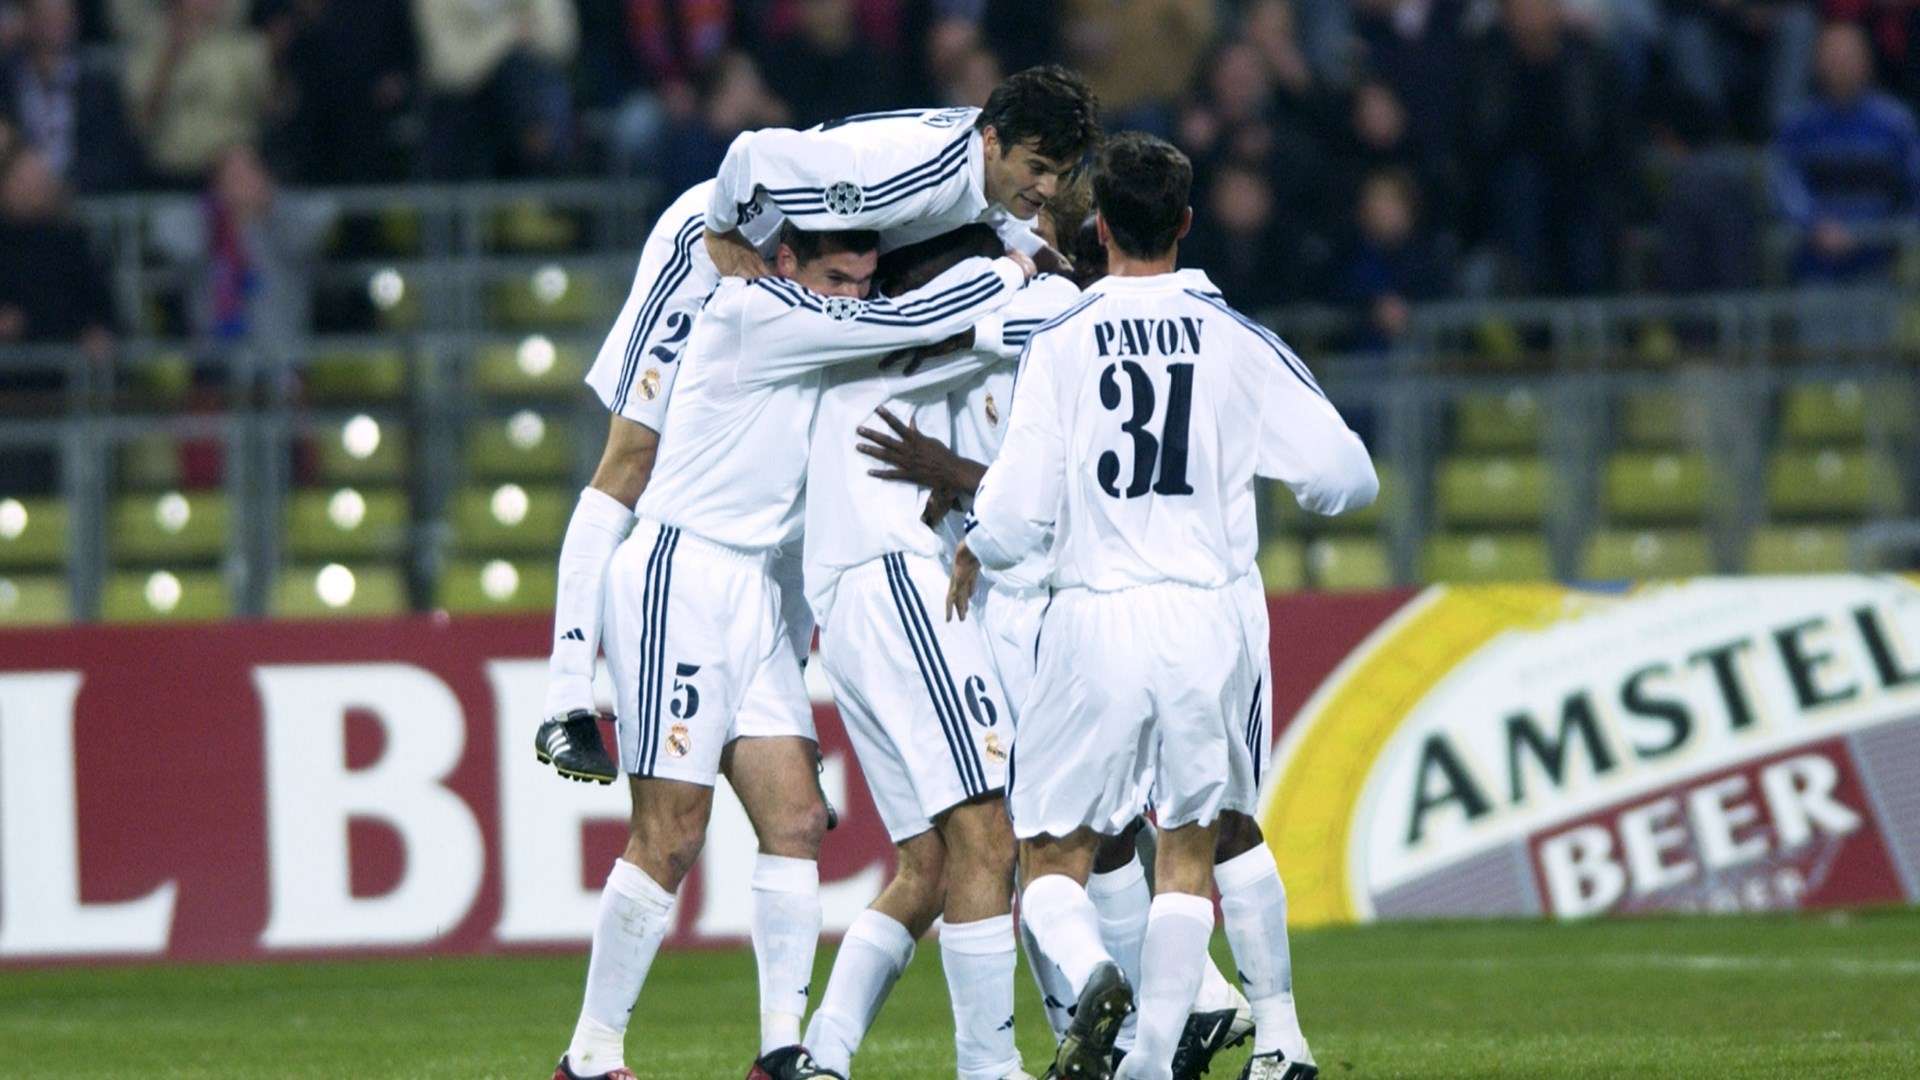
{"points": [[1186, 278]]}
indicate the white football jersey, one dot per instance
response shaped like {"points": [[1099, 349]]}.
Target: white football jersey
{"points": [[1142, 417], [853, 518], [733, 456], [913, 174]]}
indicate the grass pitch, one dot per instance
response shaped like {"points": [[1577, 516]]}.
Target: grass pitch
{"points": [[1825, 996]]}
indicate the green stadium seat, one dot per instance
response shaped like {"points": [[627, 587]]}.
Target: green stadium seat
{"points": [[332, 590], [361, 450], [1283, 565], [524, 446], [1656, 486], [165, 595], [1349, 562], [533, 367], [1810, 549], [34, 600], [400, 229], [1833, 483], [1491, 422], [150, 462], [159, 383], [530, 227], [1485, 557], [1654, 553], [474, 586], [1844, 412], [33, 532], [171, 527], [345, 524], [1652, 418], [1488, 490], [550, 295], [356, 377], [510, 519]]}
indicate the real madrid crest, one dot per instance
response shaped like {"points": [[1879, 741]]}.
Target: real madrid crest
{"points": [[842, 308], [650, 384], [993, 747], [679, 740], [845, 198], [993, 410]]}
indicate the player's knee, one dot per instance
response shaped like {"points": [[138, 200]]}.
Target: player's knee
{"points": [[1118, 850], [668, 849], [797, 832], [979, 837], [920, 874], [1238, 834]]}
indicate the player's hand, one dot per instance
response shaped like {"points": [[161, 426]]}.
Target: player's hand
{"points": [[966, 574], [920, 354], [1049, 261], [908, 454], [1025, 264], [940, 502], [734, 257]]}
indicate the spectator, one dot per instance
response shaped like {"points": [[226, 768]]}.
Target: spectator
{"points": [[52, 291], [66, 110], [668, 43], [249, 251], [974, 76], [1392, 263], [1846, 164], [196, 85], [349, 64], [1139, 55], [1708, 222], [1416, 48], [733, 99], [1725, 52], [1241, 117], [1543, 134], [825, 69], [498, 101], [1380, 137], [1248, 247]]}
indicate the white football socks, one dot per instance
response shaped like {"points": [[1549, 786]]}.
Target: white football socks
{"points": [[635, 914], [786, 930], [872, 956], [1056, 997], [1253, 903], [598, 525], [1123, 900], [1172, 955], [979, 962], [1066, 925]]}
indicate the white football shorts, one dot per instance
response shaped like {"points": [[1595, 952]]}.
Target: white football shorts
{"points": [[1140, 697], [917, 693], [1010, 619], [699, 651]]}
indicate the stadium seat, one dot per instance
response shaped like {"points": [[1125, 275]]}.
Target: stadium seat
{"points": [[524, 446], [510, 519], [1833, 483], [1493, 422], [150, 462], [34, 600], [1641, 486], [1810, 549], [1487, 490], [344, 524], [1283, 565], [533, 367], [399, 229], [528, 226], [33, 532], [549, 295], [171, 527], [474, 586], [361, 450], [1638, 555], [1823, 414], [157, 383], [1349, 562], [165, 595], [1652, 418], [356, 377], [335, 589], [1485, 557]]}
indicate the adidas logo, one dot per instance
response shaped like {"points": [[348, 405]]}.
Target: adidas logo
{"points": [[573, 635]]}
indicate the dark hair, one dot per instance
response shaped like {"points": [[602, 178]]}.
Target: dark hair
{"points": [[1089, 257], [808, 246], [910, 267], [1051, 105], [1140, 187]]}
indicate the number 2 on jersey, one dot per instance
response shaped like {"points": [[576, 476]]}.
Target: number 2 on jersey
{"points": [[1164, 454]]}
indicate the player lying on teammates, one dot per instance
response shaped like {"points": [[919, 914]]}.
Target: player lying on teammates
{"points": [[1143, 415], [917, 693], [1008, 605], [704, 674], [912, 174]]}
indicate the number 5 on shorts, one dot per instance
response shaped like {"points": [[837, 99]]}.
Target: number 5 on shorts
{"points": [[683, 708]]}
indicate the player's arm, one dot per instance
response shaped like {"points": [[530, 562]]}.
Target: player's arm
{"points": [[788, 328], [1304, 443], [1018, 499]]}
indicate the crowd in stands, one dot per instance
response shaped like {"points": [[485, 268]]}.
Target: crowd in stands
{"points": [[1368, 153]]}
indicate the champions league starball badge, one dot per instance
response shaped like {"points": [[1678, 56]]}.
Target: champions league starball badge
{"points": [[845, 198], [842, 308]]}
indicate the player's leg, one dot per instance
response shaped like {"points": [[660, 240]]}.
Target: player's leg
{"points": [[1120, 893], [977, 940], [876, 950], [1067, 926], [1173, 952], [774, 778], [1253, 904]]}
